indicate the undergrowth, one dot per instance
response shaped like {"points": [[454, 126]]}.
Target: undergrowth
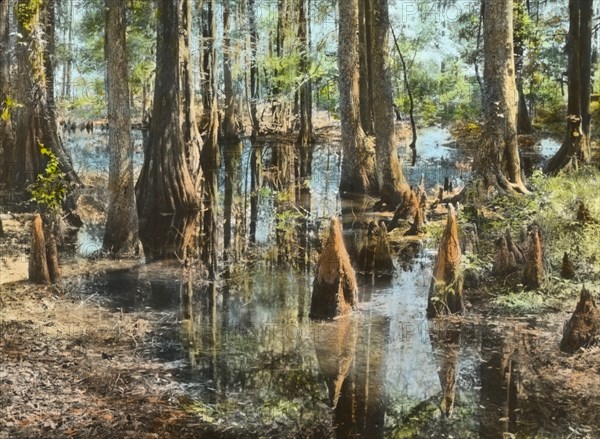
{"points": [[552, 207]]}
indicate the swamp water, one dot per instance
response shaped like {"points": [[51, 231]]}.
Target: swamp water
{"points": [[248, 356]]}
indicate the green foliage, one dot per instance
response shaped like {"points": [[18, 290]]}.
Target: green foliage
{"points": [[84, 107], [7, 107], [28, 12], [50, 188], [553, 207]]}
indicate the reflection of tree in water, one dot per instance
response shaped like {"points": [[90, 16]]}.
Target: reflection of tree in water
{"points": [[248, 370], [352, 364], [451, 410], [446, 345], [500, 384]]}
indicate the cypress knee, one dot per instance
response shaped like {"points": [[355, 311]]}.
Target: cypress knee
{"points": [[38, 266], [567, 270], [582, 327], [334, 288], [445, 292], [52, 259], [534, 268], [383, 256]]}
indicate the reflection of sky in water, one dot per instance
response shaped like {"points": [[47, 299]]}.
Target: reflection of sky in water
{"points": [[548, 147]]}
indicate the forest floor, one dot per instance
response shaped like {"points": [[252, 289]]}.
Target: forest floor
{"points": [[71, 367]]}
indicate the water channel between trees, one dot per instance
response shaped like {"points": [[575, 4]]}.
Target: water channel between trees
{"points": [[247, 353]]}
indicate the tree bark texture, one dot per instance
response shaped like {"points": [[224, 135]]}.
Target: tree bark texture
{"points": [[582, 327], [389, 171], [121, 229], [305, 134], [210, 153], [38, 265], [334, 288], [36, 120], [167, 200], [498, 160], [6, 132], [575, 149], [358, 161], [445, 292]]}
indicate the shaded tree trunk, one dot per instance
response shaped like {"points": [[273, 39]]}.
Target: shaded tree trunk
{"points": [[498, 160], [210, 152], [6, 133], [254, 78], [230, 130], [305, 135], [36, 120], [167, 200], [358, 164], [523, 119], [120, 234], [255, 185], [576, 148]]}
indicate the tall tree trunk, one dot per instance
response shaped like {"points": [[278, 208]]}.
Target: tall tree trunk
{"points": [[120, 234], [523, 119], [358, 165], [365, 37], [498, 160], [167, 200], [230, 126], [6, 134], [191, 134], [305, 136], [575, 148], [210, 151], [411, 110], [36, 119], [254, 79], [391, 181]]}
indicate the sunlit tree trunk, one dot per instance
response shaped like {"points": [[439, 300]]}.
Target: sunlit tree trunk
{"points": [[167, 199], [576, 146], [365, 37], [120, 234], [358, 165], [191, 134], [498, 160], [391, 181]]}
